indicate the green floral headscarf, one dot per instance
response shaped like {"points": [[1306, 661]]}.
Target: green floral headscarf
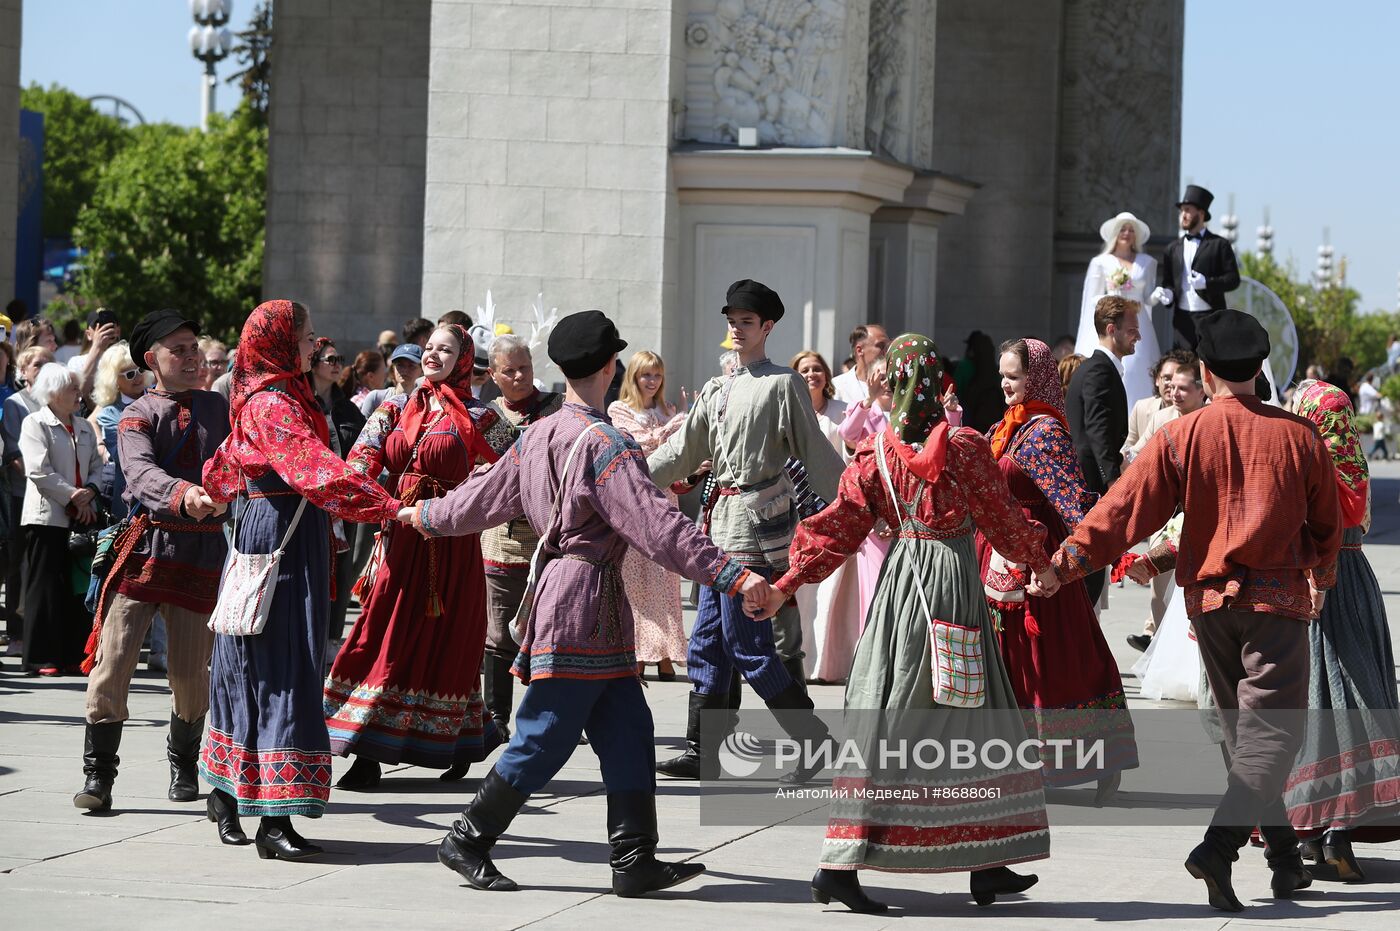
{"points": [[915, 378]]}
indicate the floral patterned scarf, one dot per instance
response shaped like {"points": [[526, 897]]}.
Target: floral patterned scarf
{"points": [[1044, 395], [453, 394], [269, 357], [1329, 408], [918, 429]]}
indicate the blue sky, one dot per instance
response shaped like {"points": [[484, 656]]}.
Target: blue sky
{"points": [[1288, 105]]}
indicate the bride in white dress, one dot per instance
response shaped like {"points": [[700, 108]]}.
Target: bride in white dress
{"points": [[1122, 269]]}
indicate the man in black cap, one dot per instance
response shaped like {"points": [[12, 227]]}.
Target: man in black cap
{"points": [[169, 559], [1196, 270], [1260, 533], [748, 423], [584, 485]]}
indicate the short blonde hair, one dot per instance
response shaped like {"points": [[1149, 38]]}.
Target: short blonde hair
{"points": [[830, 390], [115, 360], [644, 360]]}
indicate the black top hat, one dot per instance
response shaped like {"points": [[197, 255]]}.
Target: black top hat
{"points": [[1197, 196]]}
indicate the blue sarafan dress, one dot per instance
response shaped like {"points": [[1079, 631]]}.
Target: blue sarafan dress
{"points": [[266, 742]]}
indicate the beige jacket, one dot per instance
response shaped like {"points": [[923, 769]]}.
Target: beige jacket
{"points": [[50, 455]]}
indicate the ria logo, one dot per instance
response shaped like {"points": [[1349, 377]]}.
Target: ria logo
{"points": [[740, 755]]}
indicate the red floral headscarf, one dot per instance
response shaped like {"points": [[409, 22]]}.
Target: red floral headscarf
{"points": [[1044, 395], [269, 357], [1330, 408], [452, 393]]}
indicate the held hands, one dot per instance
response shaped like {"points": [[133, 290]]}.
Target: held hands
{"points": [[198, 505], [757, 592], [413, 516], [1162, 296], [1044, 584], [1141, 572], [771, 604]]}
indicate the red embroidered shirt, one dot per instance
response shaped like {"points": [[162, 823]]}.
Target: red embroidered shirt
{"points": [[1259, 499], [970, 486]]}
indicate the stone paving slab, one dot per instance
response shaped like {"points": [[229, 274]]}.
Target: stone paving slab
{"points": [[155, 864]]}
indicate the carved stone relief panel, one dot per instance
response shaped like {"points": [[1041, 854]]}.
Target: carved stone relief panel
{"points": [[792, 69], [899, 89], [1120, 112]]}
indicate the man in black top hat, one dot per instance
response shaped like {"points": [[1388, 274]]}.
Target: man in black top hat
{"points": [[1196, 270]]}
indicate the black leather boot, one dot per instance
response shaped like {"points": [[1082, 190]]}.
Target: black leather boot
{"points": [[795, 669], [222, 809], [1211, 863], [1336, 852], [100, 743], [998, 880], [467, 847], [278, 840], [182, 749], [844, 887], [802, 725], [695, 763], [632, 834], [498, 685], [1285, 860]]}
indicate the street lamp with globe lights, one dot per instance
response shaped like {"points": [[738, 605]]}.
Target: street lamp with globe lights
{"points": [[210, 43]]}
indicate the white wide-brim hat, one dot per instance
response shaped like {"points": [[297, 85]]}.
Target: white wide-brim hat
{"points": [[1109, 231]]}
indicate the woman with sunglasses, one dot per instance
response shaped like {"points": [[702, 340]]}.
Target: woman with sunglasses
{"points": [[119, 382]]}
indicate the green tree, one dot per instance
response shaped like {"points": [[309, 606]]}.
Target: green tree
{"points": [[177, 220], [254, 53], [1326, 318], [79, 143]]}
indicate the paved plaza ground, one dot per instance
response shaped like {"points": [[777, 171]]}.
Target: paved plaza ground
{"points": [[154, 864]]}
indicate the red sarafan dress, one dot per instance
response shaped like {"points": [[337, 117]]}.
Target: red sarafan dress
{"points": [[405, 687], [1055, 652]]}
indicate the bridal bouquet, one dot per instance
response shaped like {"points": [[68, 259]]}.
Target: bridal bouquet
{"points": [[1119, 280]]}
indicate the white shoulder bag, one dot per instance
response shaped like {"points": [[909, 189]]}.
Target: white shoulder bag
{"points": [[245, 594]]}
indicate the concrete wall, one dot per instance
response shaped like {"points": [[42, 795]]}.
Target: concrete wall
{"points": [[548, 133], [9, 144], [349, 115], [996, 105]]}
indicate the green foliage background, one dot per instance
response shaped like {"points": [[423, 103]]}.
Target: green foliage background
{"points": [[177, 218]]}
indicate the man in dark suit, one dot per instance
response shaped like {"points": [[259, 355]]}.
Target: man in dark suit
{"points": [[1196, 270], [1098, 406]]}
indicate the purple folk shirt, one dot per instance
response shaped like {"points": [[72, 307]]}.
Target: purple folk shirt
{"points": [[582, 625]]}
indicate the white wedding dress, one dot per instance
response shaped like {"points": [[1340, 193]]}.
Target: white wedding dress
{"points": [[1137, 374], [1171, 667]]}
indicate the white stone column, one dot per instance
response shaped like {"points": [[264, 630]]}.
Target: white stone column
{"points": [[797, 220], [904, 253], [9, 145], [548, 131], [347, 140]]}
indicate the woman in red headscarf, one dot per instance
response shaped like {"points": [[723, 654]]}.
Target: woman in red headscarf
{"points": [[1054, 650], [266, 751], [405, 687]]}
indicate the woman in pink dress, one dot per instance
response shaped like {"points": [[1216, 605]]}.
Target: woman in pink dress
{"points": [[830, 611], [864, 419], [641, 411]]}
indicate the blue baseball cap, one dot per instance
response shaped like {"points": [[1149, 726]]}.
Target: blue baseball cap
{"points": [[410, 351]]}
